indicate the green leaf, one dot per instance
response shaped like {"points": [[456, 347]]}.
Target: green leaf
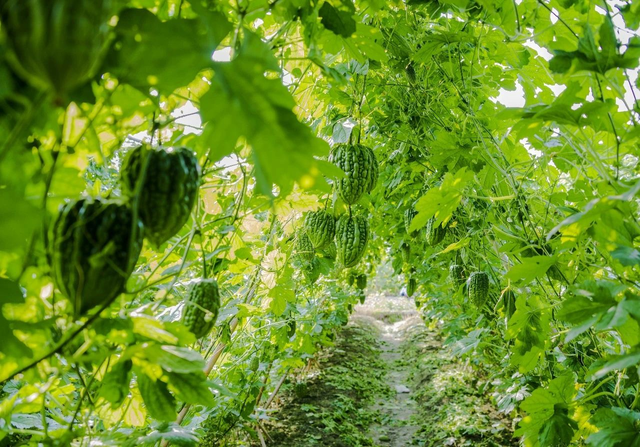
{"points": [[116, 383], [591, 58], [619, 362], [547, 416], [441, 202], [174, 433], [174, 358], [341, 132], [456, 245], [247, 310], [243, 102], [139, 53], [529, 327], [608, 42], [11, 345], [26, 421], [18, 219], [460, 4], [339, 21], [369, 40], [437, 42], [10, 292], [191, 388], [589, 299], [280, 295], [558, 430], [152, 329], [594, 304], [627, 256], [530, 268], [156, 396], [561, 62], [617, 428]]}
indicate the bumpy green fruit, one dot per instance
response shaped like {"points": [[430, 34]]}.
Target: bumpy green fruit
{"points": [[320, 226], [291, 330], [508, 299], [167, 189], [201, 307], [479, 288], [303, 248], [406, 252], [361, 281], [94, 247], [301, 390], [372, 163], [255, 363], [457, 275], [411, 72], [435, 233], [412, 284], [409, 214], [55, 44], [352, 234], [361, 171], [330, 250]]}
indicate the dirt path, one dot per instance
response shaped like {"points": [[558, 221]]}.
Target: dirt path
{"points": [[394, 317], [388, 381]]}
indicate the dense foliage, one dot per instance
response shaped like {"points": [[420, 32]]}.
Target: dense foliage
{"points": [[536, 203]]}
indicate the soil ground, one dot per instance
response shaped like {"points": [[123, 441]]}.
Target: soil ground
{"points": [[387, 382]]}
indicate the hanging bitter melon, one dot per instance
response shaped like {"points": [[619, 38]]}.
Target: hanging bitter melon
{"points": [[329, 251], [361, 171], [201, 307], [409, 214], [412, 285], [361, 281], [405, 249], [166, 190], [508, 301], [303, 248], [94, 247], [55, 44], [320, 227], [352, 234], [479, 288], [457, 275], [435, 233]]}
